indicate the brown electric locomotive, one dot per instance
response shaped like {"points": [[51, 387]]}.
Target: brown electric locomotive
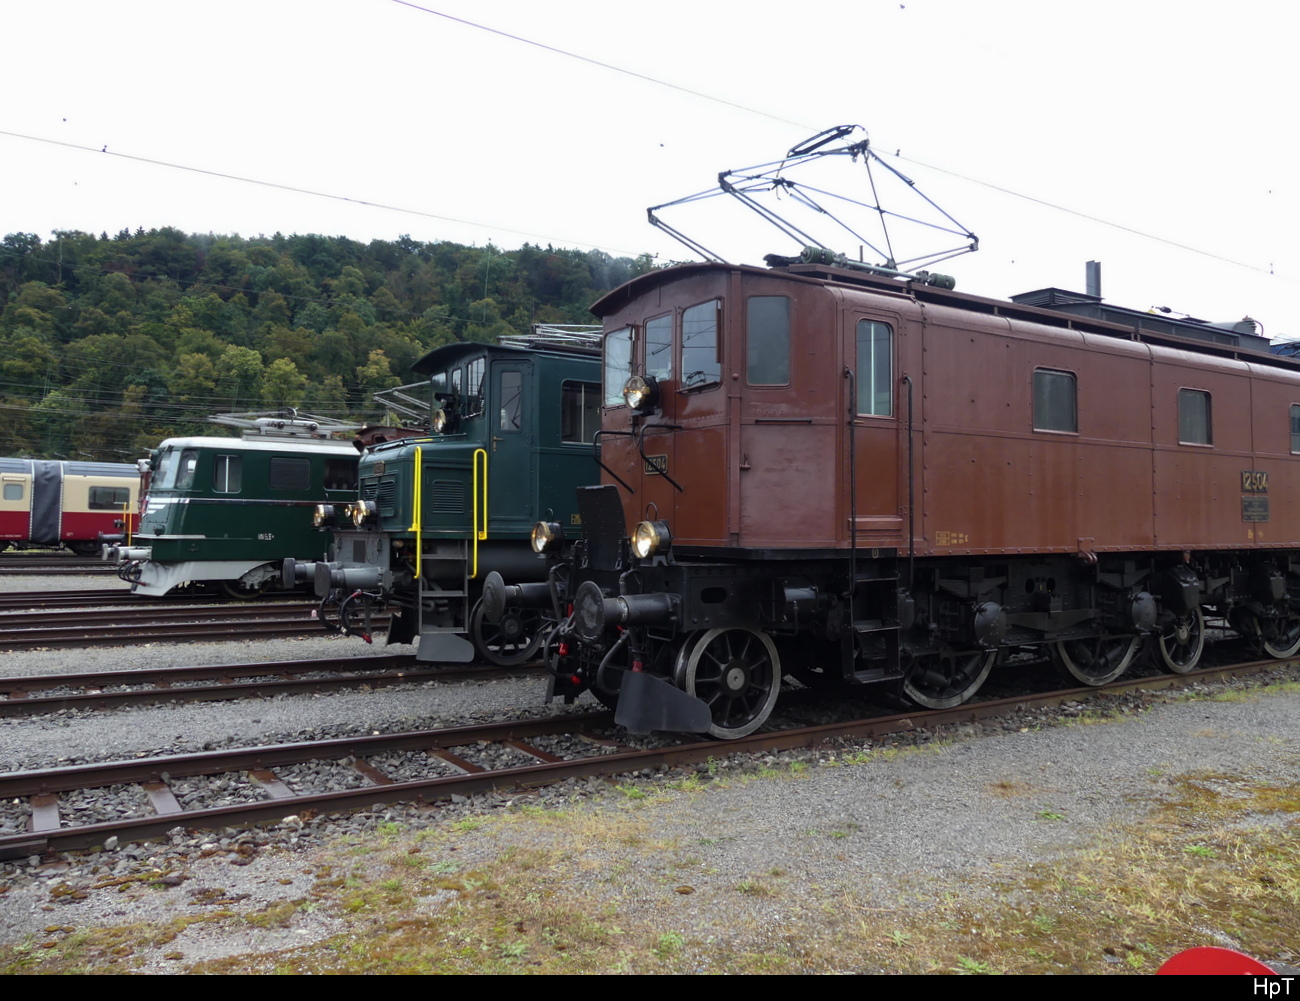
{"points": [[845, 477]]}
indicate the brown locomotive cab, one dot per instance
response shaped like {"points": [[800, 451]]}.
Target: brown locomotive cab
{"points": [[845, 478]]}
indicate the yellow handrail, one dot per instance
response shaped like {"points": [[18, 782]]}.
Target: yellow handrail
{"points": [[126, 518], [479, 528], [417, 504]]}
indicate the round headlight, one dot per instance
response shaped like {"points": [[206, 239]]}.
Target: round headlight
{"points": [[439, 422], [649, 538], [324, 516], [363, 511], [546, 536], [641, 393]]}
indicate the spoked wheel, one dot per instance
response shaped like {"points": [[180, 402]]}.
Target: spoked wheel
{"points": [[511, 641], [1097, 660], [944, 680], [1279, 638], [1182, 642], [737, 673]]}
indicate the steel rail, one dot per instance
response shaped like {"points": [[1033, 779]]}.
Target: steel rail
{"points": [[43, 786], [179, 684]]}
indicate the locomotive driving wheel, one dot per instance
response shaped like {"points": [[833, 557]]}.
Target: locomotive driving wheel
{"points": [[511, 641], [946, 679], [1097, 660], [737, 673], [1279, 638], [1182, 642]]}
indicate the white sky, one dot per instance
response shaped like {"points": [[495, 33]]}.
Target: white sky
{"points": [[1172, 119]]}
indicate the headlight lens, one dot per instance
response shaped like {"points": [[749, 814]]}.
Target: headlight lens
{"points": [[324, 516], [439, 422], [363, 511], [650, 537], [547, 536], [640, 393]]}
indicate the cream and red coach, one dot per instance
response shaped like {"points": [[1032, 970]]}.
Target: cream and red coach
{"points": [[46, 502], [845, 477]]}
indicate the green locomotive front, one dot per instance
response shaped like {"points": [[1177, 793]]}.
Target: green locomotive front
{"points": [[510, 439], [227, 511]]}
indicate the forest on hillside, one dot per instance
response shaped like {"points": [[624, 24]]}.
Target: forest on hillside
{"points": [[110, 344]]}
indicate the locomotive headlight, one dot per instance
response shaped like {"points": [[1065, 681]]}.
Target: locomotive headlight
{"points": [[641, 393], [547, 536], [650, 537], [439, 421], [324, 516], [363, 511]]}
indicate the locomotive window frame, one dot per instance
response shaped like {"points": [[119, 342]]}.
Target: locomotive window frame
{"points": [[1056, 401], [657, 343], [875, 386], [510, 401], [617, 364], [1295, 429], [767, 340], [579, 412], [1195, 418], [475, 395], [702, 344], [227, 473]]}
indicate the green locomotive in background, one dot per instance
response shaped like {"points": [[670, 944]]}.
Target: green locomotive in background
{"points": [[226, 512], [512, 427]]}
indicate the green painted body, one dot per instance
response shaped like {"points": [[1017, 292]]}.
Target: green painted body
{"points": [[229, 504]]}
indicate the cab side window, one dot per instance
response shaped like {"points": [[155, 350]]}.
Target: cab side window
{"points": [[1055, 401], [1194, 418], [227, 473], [875, 374], [767, 340], [579, 411], [618, 364], [510, 400]]}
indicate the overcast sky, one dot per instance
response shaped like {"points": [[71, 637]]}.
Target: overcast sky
{"points": [[1170, 119]]}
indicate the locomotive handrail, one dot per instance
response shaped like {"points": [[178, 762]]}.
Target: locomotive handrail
{"points": [[479, 532], [417, 507]]}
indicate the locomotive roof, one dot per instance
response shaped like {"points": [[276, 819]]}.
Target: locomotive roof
{"points": [[1073, 311], [449, 354], [285, 446]]}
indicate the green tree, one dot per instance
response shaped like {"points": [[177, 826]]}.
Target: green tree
{"points": [[283, 385]]}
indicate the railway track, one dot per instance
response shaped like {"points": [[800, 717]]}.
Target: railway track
{"points": [[425, 765], [176, 623], [92, 597], [55, 565], [32, 695]]}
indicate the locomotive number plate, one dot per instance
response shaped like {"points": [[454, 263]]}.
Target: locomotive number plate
{"points": [[656, 465], [1254, 495], [1254, 481]]}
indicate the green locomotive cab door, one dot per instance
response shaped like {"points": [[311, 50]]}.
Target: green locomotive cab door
{"points": [[512, 449]]}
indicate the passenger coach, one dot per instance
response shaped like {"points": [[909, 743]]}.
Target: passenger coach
{"points": [[844, 477], [44, 502]]}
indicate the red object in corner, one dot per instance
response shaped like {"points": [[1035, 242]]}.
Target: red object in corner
{"points": [[1212, 961]]}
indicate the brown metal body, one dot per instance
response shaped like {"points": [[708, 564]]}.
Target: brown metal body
{"points": [[766, 468]]}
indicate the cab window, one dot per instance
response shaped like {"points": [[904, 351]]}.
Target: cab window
{"points": [[659, 347], [579, 411], [875, 376], [510, 400], [227, 474], [618, 364], [767, 340], [701, 365], [1194, 425]]}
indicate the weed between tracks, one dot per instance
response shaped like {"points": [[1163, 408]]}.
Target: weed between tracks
{"points": [[627, 885]]}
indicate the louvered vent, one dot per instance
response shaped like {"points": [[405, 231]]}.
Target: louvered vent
{"points": [[386, 496], [447, 497]]}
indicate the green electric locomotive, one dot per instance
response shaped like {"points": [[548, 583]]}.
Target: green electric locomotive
{"points": [[512, 427], [225, 512]]}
